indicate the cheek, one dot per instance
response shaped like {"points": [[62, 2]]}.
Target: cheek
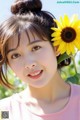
{"points": [[48, 55], [16, 67], [47, 58], [50, 60]]}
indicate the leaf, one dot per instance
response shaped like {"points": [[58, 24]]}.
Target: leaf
{"points": [[62, 57], [79, 62], [74, 79]]}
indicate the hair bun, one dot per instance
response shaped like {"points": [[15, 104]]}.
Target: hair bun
{"points": [[24, 6]]}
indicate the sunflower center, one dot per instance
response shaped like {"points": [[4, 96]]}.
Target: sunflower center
{"points": [[68, 34]]}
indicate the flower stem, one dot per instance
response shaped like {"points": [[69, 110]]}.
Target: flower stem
{"points": [[73, 58]]}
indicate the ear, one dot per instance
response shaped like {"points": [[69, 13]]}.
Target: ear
{"points": [[57, 53]]}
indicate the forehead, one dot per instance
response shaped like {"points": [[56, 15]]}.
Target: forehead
{"points": [[24, 37]]}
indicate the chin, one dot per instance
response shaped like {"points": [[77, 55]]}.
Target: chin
{"points": [[40, 84]]}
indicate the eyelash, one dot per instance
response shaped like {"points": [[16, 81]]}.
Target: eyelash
{"points": [[34, 48], [13, 56]]}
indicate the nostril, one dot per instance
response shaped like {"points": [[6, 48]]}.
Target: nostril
{"points": [[30, 66], [33, 65], [26, 67]]}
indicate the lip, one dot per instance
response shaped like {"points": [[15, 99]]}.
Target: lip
{"points": [[36, 76]]}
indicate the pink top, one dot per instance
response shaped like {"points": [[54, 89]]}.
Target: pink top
{"points": [[18, 110]]}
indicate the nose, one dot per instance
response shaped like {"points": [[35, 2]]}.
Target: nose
{"points": [[30, 66]]}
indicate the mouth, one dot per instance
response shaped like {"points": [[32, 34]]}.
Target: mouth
{"points": [[35, 74]]}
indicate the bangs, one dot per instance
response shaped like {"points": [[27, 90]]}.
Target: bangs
{"points": [[34, 28]]}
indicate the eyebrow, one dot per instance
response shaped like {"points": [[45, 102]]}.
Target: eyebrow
{"points": [[36, 41], [33, 42], [11, 50]]}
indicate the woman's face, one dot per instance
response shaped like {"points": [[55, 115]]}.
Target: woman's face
{"points": [[33, 62]]}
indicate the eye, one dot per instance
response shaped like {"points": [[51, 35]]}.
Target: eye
{"points": [[15, 55], [35, 48]]}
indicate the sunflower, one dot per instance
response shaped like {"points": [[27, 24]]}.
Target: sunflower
{"points": [[67, 34]]}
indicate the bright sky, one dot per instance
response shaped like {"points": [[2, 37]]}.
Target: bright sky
{"points": [[56, 7]]}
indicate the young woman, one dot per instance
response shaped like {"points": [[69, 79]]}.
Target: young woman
{"points": [[25, 45]]}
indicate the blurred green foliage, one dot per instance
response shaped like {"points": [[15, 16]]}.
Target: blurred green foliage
{"points": [[15, 81], [67, 73]]}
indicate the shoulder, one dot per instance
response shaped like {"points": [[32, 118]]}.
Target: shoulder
{"points": [[76, 89], [5, 100], [14, 100], [76, 93], [6, 103]]}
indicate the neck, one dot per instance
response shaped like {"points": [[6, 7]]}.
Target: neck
{"points": [[55, 89]]}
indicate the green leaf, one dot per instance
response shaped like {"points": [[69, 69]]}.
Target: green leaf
{"points": [[74, 79], [62, 57], [79, 62]]}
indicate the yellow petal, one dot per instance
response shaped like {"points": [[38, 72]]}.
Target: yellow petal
{"points": [[56, 38], [59, 25], [66, 20], [56, 29], [67, 49], [61, 46], [62, 21], [77, 44], [56, 43], [55, 34], [73, 19], [71, 48], [62, 51]]}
